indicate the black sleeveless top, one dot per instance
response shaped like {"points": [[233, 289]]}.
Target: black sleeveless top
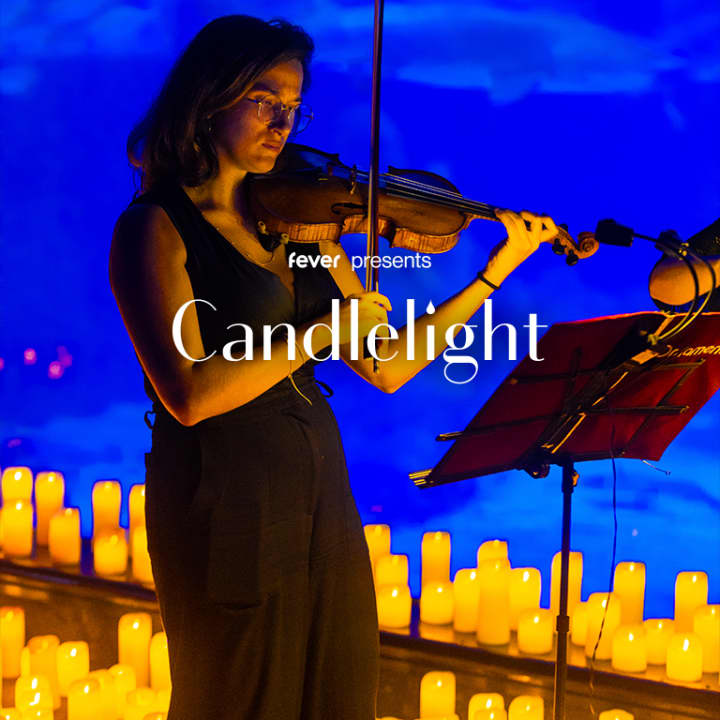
{"points": [[239, 290]]}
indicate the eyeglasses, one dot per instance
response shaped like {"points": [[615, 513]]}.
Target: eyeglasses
{"points": [[299, 116]]}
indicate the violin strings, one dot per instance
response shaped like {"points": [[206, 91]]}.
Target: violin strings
{"points": [[423, 191]]}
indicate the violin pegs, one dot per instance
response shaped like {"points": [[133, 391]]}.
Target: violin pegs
{"points": [[558, 248], [572, 258]]}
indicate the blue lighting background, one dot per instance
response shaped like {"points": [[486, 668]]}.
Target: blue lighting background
{"points": [[581, 109]]}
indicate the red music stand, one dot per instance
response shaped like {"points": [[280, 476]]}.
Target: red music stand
{"points": [[601, 391]]}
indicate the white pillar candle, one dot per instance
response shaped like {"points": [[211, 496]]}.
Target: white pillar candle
{"points": [[64, 540], [706, 625], [33, 691], [526, 707], [493, 626], [42, 650], [85, 700], [629, 587], [492, 550], [574, 582], [485, 701], [596, 610], [106, 499], [110, 553], [391, 570], [17, 484], [616, 714], [378, 542], [136, 507], [73, 663], [141, 566], [466, 591], [159, 662], [12, 637], [494, 714], [525, 587], [437, 603], [134, 634], [49, 498], [435, 557], [535, 632], [394, 606], [140, 702], [684, 657], [629, 649], [578, 624], [107, 693], [124, 680], [658, 632], [691, 591], [437, 694], [17, 522]]}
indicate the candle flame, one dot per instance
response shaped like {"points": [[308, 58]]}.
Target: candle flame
{"points": [[136, 625], [35, 700], [394, 592], [86, 689], [536, 619], [686, 644], [473, 574], [631, 637], [694, 578], [526, 576], [438, 683], [439, 535], [33, 683], [488, 703], [73, 652], [631, 567], [19, 505], [17, 475]]}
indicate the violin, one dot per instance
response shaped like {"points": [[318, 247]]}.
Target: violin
{"points": [[311, 196]]}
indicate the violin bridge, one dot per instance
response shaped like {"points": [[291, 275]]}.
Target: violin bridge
{"points": [[353, 179]]}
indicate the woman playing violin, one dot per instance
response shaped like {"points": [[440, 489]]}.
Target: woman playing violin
{"points": [[258, 553]]}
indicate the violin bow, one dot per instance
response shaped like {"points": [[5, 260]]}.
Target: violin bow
{"points": [[372, 273]]}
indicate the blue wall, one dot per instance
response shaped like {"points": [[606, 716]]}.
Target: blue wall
{"points": [[583, 110]]}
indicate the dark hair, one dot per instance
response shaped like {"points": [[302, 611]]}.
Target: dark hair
{"points": [[172, 140]]}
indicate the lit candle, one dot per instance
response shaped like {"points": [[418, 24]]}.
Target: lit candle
{"points": [[485, 701], [466, 591], [110, 553], [73, 663], [42, 650], [107, 693], [574, 582], [437, 603], [106, 498], [435, 557], [494, 714], [33, 691], [136, 507], [10, 714], [629, 587], [629, 649], [124, 681], [492, 550], [684, 657], [141, 566], [526, 707], [49, 498], [596, 610], [12, 637], [85, 700], [616, 714], [658, 632], [578, 624], [691, 591], [378, 541], [134, 634], [159, 662], [525, 585], [493, 626], [394, 606], [706, 626], [64, 541], [391, 570], [17, 521], [535, 632], [437, 694], [140, 702], [17, 484]]}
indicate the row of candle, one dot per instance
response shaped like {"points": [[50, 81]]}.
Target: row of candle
{"points": [[493, 599], [18, 485], [143, 654], [438, 702]]}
